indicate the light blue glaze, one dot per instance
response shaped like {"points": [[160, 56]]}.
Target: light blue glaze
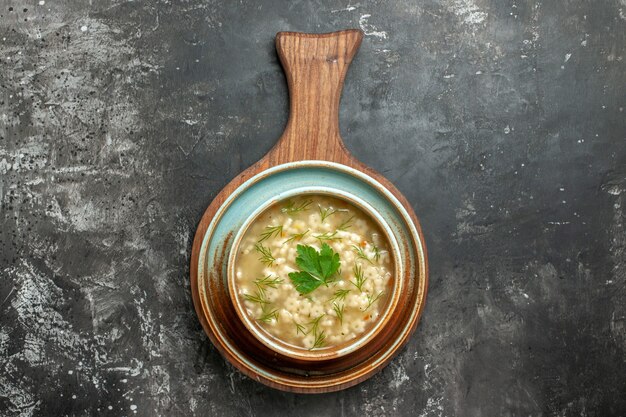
{"points": [[281, 181]]}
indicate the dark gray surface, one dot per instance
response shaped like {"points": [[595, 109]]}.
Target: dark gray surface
{"points": [[502, 122]]}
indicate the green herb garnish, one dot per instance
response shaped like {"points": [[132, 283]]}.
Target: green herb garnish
{"points": [[295, 236], [376, 251], [319, 340], [346, 224], [268, 316], [319, 336], [316, 322], [314, 328], [260, 289], [325, 213], [257, 297], [263, 283], [327, 236], [317, 268], [371, 299], [292, 208], [300, 328], [271, 231], [359, 279], [360, 253], [268, 281], [338, 311], [266, 254], [339, 295]]}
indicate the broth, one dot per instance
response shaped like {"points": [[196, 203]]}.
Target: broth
{"points": [[290, 283]]}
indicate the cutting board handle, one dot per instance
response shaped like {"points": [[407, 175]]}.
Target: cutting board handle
{"points": [[315, 66]]}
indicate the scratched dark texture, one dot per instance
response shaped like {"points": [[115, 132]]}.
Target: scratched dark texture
{"points": [[501, 121]]}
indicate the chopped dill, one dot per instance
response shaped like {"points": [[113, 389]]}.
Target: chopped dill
{"points": [[265, 254], [260, 289], [292, 208], [315, 323], [327, 236], [271, 231], [376, 251], [257, 297], [268, 281], [319, 336], [371, 299], [300, 328], [296, 236], [338, 311], [359, 279], [346, 224], [325, 213], [339, 295], [319, 340], [268, 316], [263, 283], [360, 253]]}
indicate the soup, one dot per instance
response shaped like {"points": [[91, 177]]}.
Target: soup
{"points": [[314, 271]]}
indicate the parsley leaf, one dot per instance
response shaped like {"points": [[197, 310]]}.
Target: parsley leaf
{"points": [[317, 268], [329, 261], [304, 282]]}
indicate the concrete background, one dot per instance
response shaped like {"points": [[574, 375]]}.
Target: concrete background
{"points": [[502, 122]]}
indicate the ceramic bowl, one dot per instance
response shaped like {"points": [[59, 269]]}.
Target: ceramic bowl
{"points": [[330, 352], [264, 358]]}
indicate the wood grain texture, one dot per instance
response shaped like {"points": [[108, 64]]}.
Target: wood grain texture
{"points": [[315, 66]]}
